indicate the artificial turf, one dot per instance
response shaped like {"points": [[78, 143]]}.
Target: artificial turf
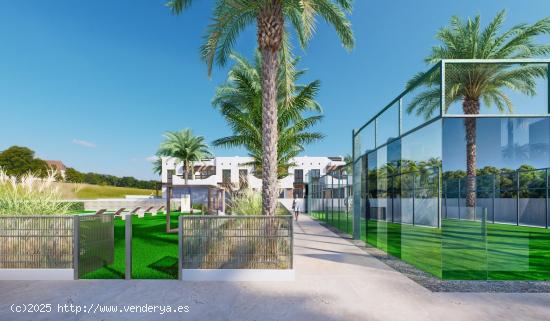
{"points": [[154, 252], [461, 250]]}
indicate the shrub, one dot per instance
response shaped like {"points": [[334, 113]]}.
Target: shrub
{"points": [[30, 195], [246, 202], [249, 202]]}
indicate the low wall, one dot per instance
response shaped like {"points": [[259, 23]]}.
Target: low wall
{"points": [[114, 204]]}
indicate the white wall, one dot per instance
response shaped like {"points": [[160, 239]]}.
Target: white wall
{"points": [[235, 163]]}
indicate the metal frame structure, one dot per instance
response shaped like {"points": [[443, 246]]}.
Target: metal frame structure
{"points": [[443, 114]]}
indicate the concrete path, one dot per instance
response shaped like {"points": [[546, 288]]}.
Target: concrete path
{"points": [[334, 281]]}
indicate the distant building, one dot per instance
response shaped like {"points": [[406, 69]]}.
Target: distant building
{"points": [[58, 166], [233, 173]]}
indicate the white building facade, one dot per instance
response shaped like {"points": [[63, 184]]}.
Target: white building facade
{"points": [[234, 173]]}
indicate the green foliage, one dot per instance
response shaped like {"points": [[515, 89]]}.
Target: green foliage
{"points": [[30, 195], [157, 166], [74, 176], [185, 147], [247, 202], [230, 18], [240, 103], [76, 207], [482, 82], [17, 161]]}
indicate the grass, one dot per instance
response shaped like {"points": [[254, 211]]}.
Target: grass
{"points": [[88, 191], [460, 250], [154, 252]]}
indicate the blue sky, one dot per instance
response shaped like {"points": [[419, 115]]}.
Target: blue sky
{"points": [[96, 83]]}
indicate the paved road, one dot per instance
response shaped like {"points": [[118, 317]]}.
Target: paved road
{"points": [[334, 281]]}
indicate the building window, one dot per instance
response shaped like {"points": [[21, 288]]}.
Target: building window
{"points": [[298, 193], [298, 176], [315, 173], [226, 176]]}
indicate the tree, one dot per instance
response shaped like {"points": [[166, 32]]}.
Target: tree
{"points": [[186, 148], [239, 100], [231, 17], [157, 166], [17, 161], [473, 84]]}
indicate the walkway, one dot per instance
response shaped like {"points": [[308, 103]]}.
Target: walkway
{"points": [[334, 281]]}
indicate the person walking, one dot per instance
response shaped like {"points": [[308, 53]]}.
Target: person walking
{"points": [[296, 209]]}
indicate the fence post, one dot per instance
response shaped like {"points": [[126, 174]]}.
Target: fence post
{"points": [[128, 246], [291, 227], [439, 194], [414, 195], [180, 246], [517, 198], [494, 194], [458, 198], [547, 206], [76, 245]]}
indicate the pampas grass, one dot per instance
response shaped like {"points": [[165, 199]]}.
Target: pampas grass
{"points": [[31, 195], [246, 202]]}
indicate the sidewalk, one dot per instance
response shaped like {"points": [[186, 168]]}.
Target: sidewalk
{"points": [[335, 280]]}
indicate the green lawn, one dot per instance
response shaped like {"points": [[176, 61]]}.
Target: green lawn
{"points": [[154, 252], [460, 249]]}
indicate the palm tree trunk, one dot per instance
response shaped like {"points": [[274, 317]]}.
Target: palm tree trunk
{"points": [[270, 35], [471, 107], [187, 172]]}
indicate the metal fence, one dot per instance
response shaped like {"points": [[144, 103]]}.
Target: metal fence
{"points": [[96, 242], [83, 243], [511, 197], [518, 197], [36, 242], [331, 198], [236, 242]]}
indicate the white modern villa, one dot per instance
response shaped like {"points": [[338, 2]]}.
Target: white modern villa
{"points": [[234, 173]]}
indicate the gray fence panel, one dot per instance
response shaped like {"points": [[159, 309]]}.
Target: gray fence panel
{"points": [[96, 241], [236, 242], [36, 242]]}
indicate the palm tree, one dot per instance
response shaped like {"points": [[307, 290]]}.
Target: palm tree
{"points": [[473, 84], [230, 18], [186, 148], [239, 100], [157, 169], [157, 166]]}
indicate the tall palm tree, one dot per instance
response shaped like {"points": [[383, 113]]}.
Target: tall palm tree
{"points": [[473, 84], [186, 148], [239, 100], [230, 18]]}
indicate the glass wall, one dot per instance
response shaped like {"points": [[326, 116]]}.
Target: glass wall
{"points": [[463, 194]]}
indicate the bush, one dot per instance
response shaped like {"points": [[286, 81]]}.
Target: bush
{"points": [[247, 202], [76, 206], [30, 195]]}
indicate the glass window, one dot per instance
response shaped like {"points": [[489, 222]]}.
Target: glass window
{"points": [[226, 176], [502, 99], [387, 125]]}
